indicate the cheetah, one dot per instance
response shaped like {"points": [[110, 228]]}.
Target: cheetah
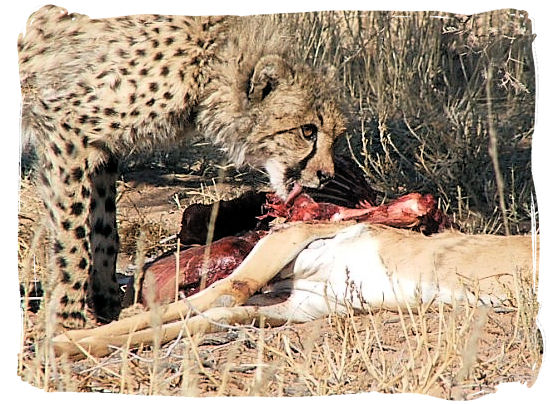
{"points": [[94, 90]]}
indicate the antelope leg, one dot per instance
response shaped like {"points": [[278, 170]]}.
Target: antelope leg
{"points": [[212, 320], [267, 258]]}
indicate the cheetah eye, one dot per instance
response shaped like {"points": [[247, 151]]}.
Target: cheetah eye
{"points": [[309, 131]]}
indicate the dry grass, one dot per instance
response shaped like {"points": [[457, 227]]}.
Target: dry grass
{"points": [[426, 94], [424, 90], [450, 352]]}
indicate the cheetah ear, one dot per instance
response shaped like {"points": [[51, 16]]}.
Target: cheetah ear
{"points": [[268, 73]]}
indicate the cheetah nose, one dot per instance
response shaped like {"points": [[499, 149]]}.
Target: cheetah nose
{"points": [[324, 177]]}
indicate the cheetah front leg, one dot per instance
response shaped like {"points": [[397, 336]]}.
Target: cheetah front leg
{"points": [[104, 293], [79, 197], [65, 186]]}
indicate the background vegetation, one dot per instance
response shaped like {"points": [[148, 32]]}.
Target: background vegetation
{"points": [[426, 92]]}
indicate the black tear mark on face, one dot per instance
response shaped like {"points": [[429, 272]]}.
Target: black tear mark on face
{"points": [[293, 174]]}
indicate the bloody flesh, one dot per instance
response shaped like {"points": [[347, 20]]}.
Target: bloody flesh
{"points": [[222, 258], [406, 211]]}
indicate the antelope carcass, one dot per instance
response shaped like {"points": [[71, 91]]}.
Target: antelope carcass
{"points": [[324, 268]]}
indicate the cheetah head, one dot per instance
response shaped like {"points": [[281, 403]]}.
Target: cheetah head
{"points": [[277, 116], [295, 121]]}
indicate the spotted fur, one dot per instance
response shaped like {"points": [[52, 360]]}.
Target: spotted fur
{"points": [[95, 89]]}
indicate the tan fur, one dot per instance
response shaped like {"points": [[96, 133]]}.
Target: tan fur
{"points": [[94, 90], [483, 264], [479, 269]]}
